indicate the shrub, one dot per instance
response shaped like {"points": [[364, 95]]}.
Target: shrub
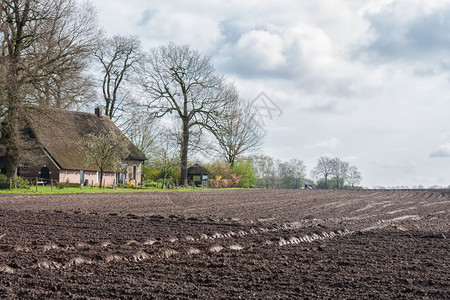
{"points": [[131, 185], [151, 184], [4, 182], [244, 174], [219, 170], [235, 180], [221, 183], [20, 182]]}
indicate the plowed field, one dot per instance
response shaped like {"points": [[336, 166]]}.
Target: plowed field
{"points": [[249, 244]]}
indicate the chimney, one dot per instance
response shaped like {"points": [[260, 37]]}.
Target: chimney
{"points": [[98, 112]]}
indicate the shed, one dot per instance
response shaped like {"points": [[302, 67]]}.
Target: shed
{"points": [[308, 184], [198, 175]]}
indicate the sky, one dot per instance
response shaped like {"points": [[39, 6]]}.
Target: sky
{"points": [[365, 81]]}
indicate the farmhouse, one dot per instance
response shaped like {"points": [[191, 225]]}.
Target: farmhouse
{"points": [[48, 140]]}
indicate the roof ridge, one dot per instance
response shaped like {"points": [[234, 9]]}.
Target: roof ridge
{"points": [[63, 110]]}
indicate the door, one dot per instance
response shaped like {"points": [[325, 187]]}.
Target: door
{"points": [[45, 174], [119, 178]]}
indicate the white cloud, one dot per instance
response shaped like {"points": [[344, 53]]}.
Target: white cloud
{"points": [[262, 49]]}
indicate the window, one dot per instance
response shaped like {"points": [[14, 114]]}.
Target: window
{"points": [[134, 172]]}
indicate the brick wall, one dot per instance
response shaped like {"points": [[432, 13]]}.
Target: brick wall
{"points": [[91, 177], [130, 170]]}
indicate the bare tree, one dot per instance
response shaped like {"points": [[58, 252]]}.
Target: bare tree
{"points": [[104, 152], [182, 81], [339, 170], [238, 131], [38, 38], [117, 56], [165, 157], [291, 173], [354, 176], [265, 168], [141, 128], [323, 168], [61, 56]]}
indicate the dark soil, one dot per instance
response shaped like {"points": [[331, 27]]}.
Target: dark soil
{"points": [[249, 244]]}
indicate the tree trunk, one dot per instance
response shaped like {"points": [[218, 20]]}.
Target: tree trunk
{"points": [[184, 154], [164, 180], [11, 129], [231, 160], [101, 178], [11, 143]]}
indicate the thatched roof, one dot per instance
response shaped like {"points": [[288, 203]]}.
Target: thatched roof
{"points": [[58, 131], [197, 169]]}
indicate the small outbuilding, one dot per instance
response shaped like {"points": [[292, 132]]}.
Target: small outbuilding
{"points": [[308, 184], [198, 175]]}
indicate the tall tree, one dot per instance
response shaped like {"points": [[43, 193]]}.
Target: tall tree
{"points": [[339, 171], [265, 168], [180, 80], [15, 19], [354, 176], [38, 39], [323, 168], [291, 173], [117, 56], [238, 131], [61, 55]]}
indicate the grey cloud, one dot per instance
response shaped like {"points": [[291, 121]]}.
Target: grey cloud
{"points": [[294, 70], [329, 107], [423, 37], [442, 153], [231, 31], [430, 33], [145, 17], [439, 154]]}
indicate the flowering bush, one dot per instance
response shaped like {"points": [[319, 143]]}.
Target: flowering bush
{"points": [[221, 183], [131, 185]]}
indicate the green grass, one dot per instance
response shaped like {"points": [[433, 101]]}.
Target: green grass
{"points": [[94, 190]]}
